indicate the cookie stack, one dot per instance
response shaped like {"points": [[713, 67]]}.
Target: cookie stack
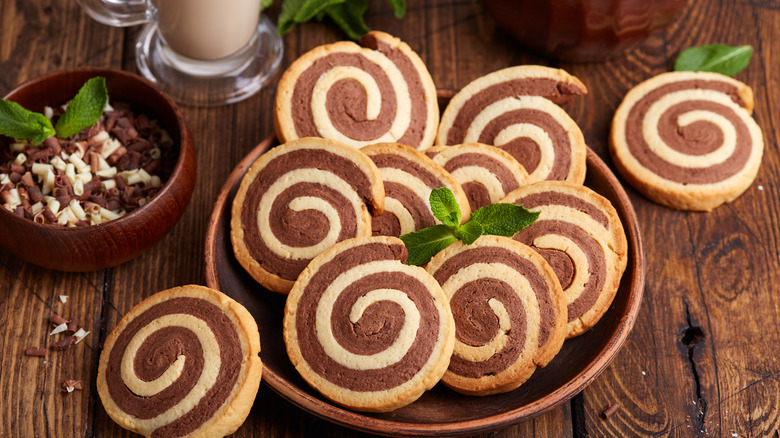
{"points": [[318, 217]]}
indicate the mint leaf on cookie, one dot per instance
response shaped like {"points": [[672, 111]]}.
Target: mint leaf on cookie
{"points": [[496, 219], [444, 206], [426, 243], [504, 219]]}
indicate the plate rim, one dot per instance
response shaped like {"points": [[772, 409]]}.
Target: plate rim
{"points": [[359, 421]]}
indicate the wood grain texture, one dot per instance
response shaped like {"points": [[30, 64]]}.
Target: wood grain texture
{"points": [[701, 361]]}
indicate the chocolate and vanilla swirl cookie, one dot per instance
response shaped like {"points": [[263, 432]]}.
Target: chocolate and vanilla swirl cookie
{"points": [[409, 177], [686, 140], [509, 310], [380, 92], [183, 362], [580, 235], [515, 109], [485, 172], [296, 201], [366, 330]]}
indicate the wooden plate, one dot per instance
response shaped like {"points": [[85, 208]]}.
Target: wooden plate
{"points": [[440, 411]]}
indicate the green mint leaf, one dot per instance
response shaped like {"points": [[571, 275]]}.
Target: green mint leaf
{"points": [[503, 219], [286, 21], [426, 243], [718, 58], [84, 109], [349, 16], [312, 8], [18, 122], [469, 232], [399, 8], [444, 207], [265, 4]]}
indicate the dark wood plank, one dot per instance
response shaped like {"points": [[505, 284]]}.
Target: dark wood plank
{"points": [[37, 38], [699, 354]]}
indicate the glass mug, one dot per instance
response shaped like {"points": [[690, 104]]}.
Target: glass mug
{"points": [[200, 52]]}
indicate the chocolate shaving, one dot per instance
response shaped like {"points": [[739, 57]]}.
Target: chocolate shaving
{"points": [[69, 385], [64, 343], [35, 351], [27, 180], [48, 214], [56, 320], [73, 326], [34, 192], [610, 410]]}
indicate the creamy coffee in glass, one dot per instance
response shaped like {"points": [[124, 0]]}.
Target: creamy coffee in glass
{"points": [[200, 52], [207, 29]]}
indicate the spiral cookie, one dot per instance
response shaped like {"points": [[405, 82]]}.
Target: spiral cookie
{"points": [[486, 173], [409, 176], [686, 140], [183, 362], [514, 110], [381, 92], [366, 330], [296, 201], [579, 233], [509, 310]]}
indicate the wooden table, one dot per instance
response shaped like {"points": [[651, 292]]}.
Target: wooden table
{"points": [[702, 358]]}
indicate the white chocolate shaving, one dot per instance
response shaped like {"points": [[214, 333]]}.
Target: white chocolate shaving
{"points": [[59, 329]]}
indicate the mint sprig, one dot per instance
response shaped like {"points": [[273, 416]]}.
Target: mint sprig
{"points": [[496, 219], [83, 110], [348, 14], [18, 122], [718, 58]]}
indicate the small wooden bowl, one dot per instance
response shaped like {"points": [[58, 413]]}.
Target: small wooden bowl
{"points": [[114, 242], [440, 411]]}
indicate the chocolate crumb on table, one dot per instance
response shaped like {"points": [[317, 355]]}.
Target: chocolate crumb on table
{"points": [[63, 343], [56, 320], [610, 410], [68, 385], [35, 351], [73, 326]]}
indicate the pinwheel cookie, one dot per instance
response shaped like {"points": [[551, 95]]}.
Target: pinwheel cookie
{"points": [[686, 140], [485, 172], [183, 362], [296, 201], [580, 234], [381, 92], [366, 330], [409, 176], [509, 310], [514, 109]]}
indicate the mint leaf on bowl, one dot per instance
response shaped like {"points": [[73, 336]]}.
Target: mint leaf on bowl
{"points": [[717, 58], [496, 219], [84, 109], [18, 122]]}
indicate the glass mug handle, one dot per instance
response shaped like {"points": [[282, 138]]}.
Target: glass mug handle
{"points": [[118, 13]]}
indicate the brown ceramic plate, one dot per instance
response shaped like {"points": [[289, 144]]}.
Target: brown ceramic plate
{"points": [[440, 411]]}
